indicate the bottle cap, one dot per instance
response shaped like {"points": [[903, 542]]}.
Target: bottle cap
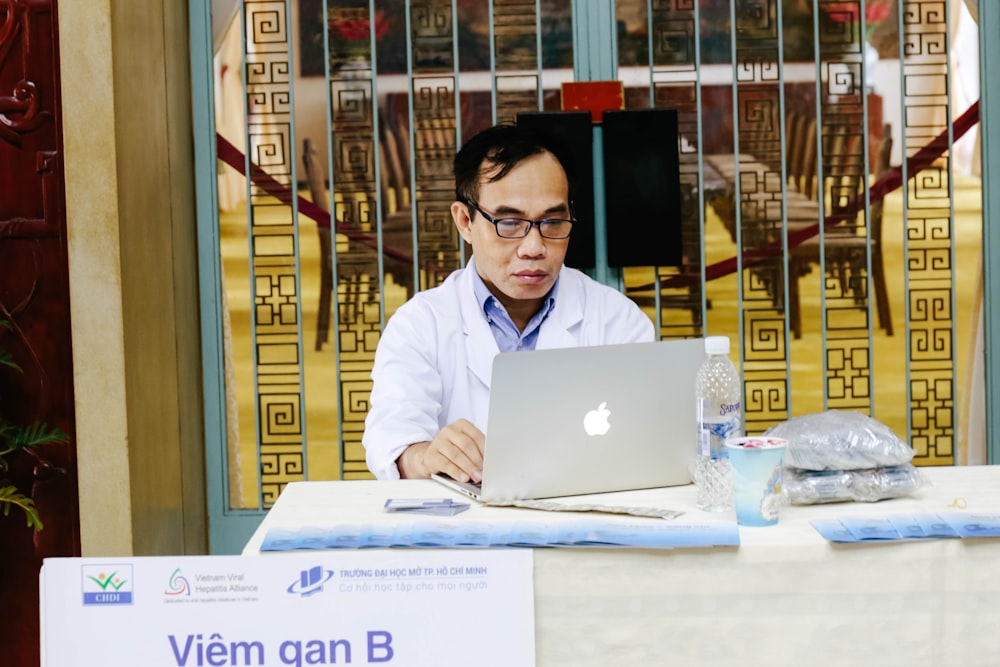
{"points": [[717, 345]]}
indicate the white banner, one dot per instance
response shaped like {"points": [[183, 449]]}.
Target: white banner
{"points": [[368, 607]]}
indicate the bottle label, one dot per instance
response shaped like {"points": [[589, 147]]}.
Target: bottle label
{"points": [[716, 423]]}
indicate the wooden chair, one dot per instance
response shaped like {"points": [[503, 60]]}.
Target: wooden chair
{"points": [[397, 204], [768, 208], [357, 264], [845, 250], [317, 191]]}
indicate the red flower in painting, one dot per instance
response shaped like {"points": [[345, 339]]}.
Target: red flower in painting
{"points": [[876, 11], [356, 27]]}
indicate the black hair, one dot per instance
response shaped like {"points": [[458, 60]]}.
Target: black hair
{"points": [[495, 151]]}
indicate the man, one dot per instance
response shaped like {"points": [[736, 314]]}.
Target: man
{"points": [[433, 364]]}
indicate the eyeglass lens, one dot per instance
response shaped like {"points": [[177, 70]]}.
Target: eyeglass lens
{"points": [[517, 227]]}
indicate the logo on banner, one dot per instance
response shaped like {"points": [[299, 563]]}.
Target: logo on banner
{"points": [[178, 584], [310, 581], [107, 584]]}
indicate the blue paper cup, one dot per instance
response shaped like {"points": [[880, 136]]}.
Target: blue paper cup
{"points": [[756, 464]]}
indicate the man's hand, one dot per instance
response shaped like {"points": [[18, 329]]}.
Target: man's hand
{"points": [[457, 451]]}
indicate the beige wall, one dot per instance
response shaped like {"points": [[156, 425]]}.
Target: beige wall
{"points": [[133, 276]]}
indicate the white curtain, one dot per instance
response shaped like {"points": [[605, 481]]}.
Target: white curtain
{"points": [[965, 83], [228, 64], [966, 158], [229, 111]]}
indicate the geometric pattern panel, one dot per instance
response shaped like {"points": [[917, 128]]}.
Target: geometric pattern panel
{"points": [[277, 340], [357, 284], [760, 190], [673, 84], [796, 129], [843, 267], [930, 285]]}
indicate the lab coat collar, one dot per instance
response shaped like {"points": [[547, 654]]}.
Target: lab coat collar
{"points": [[565, 318], [480, 346]]}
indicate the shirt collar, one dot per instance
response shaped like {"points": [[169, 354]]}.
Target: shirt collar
{"points": [[487, 301]]}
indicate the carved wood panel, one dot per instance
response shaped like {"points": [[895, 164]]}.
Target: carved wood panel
{"points": [[34, 300]]}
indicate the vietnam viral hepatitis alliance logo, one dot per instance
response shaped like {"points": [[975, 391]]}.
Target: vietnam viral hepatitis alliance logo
{"points": [[178, 585], [107, 584], [310, 581]]}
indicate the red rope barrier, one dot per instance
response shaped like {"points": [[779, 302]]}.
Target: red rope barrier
{"points": [[236, 159], [888, 182]]}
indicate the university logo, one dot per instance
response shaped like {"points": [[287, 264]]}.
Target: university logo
{"points": [[310, 581], [178, 584], [107, 584]]}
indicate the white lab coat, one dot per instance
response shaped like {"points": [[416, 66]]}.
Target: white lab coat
{"points": [[434, 362]]}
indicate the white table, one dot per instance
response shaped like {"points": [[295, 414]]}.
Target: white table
{"points": [[785, 596]]}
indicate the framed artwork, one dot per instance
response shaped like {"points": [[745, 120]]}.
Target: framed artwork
{"points": [[756, 19], [350, 30]]}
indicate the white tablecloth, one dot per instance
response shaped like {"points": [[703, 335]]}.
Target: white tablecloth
{"points": [[784, 596]]}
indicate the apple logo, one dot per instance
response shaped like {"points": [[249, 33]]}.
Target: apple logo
{"points": [[595, 422]]}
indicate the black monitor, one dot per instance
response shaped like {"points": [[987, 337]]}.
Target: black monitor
{"points": [[642, 187]]}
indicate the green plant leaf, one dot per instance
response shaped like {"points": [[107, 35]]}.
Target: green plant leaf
{"points": [[25, 437], [10, 496], [14, 437], [7, 360]]}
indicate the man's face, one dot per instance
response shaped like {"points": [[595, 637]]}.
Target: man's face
{"points": [[518, 270]]}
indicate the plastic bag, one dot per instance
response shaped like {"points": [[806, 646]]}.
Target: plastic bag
{"points": [[840, 440], [808, 487]]}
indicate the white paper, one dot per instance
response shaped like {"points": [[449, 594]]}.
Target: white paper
{"points": [[359, 607]]}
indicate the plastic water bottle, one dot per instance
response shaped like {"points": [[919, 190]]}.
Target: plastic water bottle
{"points": [[720, 416]]}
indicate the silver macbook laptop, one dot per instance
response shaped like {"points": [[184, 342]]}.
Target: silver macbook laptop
{"points": [[581, 420]]}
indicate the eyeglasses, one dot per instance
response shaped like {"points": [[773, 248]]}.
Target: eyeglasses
{"points": [[516, 228]]}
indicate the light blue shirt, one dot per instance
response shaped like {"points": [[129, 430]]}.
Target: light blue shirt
{"points": [[504, 330]]}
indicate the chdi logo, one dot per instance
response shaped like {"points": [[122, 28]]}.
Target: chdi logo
{"points": [[107, 584], [178, 584], [310, 581]]}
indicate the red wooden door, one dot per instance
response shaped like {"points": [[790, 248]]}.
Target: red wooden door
{"points": [[34, 300]]}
